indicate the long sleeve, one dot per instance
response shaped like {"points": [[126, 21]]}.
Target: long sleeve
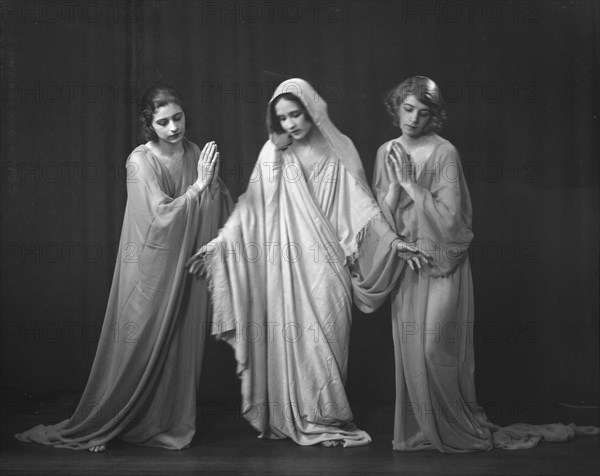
{"points": [[142, 386], [155, 215], [376, 271], [438, 215]]}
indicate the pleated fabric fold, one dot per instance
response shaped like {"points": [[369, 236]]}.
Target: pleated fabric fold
{"points": [[143, 383]]}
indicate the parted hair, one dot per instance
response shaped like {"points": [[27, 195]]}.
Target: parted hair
{"points": [[272, 121], [156, 96]]}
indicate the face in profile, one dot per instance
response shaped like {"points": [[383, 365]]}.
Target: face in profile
{"points": [[293, 119], [414, 117], [169, 123]]}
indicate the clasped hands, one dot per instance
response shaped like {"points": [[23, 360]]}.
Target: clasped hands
{"points": [[400, 168], [401, 172], [208, 166]]}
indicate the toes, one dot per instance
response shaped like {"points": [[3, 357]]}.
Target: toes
{"points": [[97, 449]]}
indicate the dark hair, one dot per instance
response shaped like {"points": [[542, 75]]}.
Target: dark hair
{"points": [[157, 96], [272, 122], [426, 91]]}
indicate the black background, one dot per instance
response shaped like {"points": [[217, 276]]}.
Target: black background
{"points": [[520, 81]]}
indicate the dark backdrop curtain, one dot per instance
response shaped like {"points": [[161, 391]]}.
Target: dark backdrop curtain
{"points": [[520, 81]]}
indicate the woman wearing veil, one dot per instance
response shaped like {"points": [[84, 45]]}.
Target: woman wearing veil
{"points": [[305, 236], [422, 191]]}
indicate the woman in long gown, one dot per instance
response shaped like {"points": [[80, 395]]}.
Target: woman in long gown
{"points": [[143, 382], [304, 235], [420, 186]]}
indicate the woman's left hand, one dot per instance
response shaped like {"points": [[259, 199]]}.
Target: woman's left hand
{"points": [[413, 255]]}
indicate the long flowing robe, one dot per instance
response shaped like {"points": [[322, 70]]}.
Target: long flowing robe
{"points": [[433, 319], [143, 382], [282, 273]]}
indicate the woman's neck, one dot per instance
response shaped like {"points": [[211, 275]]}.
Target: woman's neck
{"points": [[164, 149], [310, 152], [411, 143]]}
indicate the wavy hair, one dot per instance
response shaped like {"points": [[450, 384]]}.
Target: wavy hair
{"points": [[157, 96], [426, 91]]}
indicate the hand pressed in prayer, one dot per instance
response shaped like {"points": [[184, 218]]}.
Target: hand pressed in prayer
{"points": [[208, 165], [196, 264], [400, 168], [413, 255]]}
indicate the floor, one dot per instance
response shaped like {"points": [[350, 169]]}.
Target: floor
{"points": [[225, 444]]}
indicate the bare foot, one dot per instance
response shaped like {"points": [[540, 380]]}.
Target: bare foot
{"points": [[97, 448], [331, 443]]}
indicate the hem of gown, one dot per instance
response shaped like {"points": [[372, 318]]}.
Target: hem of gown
{"points": [[49, 435], [345, 438], [520, 436]]}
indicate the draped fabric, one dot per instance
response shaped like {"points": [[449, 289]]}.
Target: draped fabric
{"points": [[281, 276], [71, 84], [142, 387], [433, 320], [339, 145]]}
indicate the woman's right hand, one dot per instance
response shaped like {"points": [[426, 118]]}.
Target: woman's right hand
{"points": [[400, 168], [208, 165], [394, 155], [401, 172], [196, 264], [281, 141]]}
